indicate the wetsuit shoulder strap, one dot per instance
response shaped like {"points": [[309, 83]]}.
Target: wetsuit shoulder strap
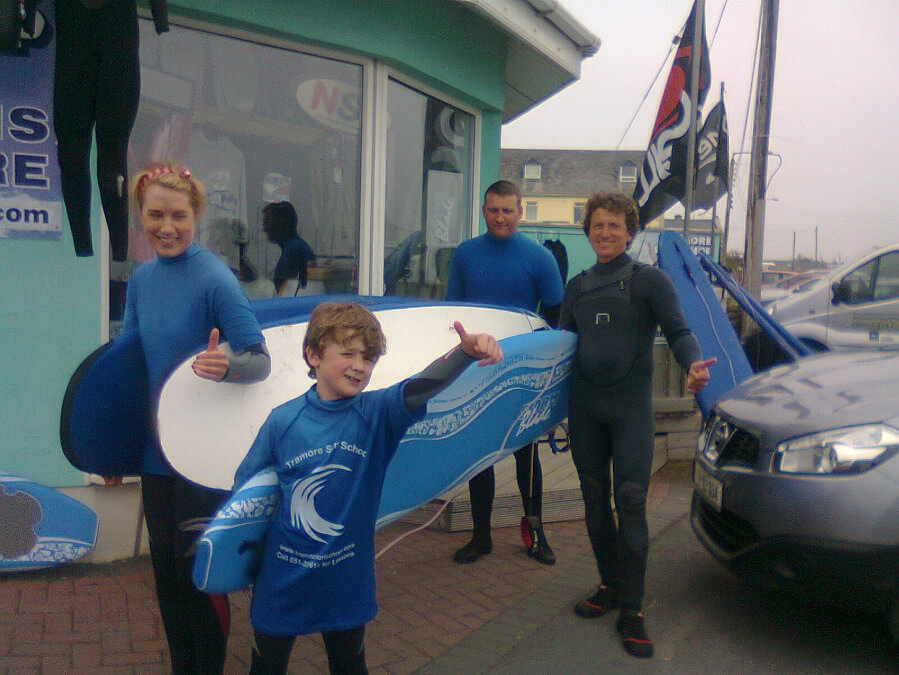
{"points": [[589, 283]]}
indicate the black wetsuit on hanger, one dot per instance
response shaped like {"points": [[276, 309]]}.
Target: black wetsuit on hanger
{"points": [[97, 87]]}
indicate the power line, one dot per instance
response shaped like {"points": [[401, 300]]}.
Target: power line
{"points": [[674, 42]]}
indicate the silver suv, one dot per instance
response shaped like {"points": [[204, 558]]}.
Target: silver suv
{"points": [[797, 478]]}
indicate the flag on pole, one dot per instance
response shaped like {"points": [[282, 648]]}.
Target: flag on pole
{"points": [[712, 159], [662, 179]]}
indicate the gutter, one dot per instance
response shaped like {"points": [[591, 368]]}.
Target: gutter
{"points": [[554, 12], [544, 25]]}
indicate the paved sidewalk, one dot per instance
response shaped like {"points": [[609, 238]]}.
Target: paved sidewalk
{"points": [[436, 616]]}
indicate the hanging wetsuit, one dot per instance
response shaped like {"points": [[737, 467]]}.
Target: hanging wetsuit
{"points": [[97, 88]]}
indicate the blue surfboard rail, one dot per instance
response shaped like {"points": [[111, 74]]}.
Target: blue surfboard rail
{"points": [[486, 414], [706, 317], [41, 527], [105, 417]]}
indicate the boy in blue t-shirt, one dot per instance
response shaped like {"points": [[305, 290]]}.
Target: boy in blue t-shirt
{"points": [[331, 447]]}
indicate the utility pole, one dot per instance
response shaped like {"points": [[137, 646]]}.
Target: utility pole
{"points": [[755, 214], [695, 62], [793, 264], [816, 243]]}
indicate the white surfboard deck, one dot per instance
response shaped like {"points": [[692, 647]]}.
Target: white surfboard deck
{"points": [[206, 428]]}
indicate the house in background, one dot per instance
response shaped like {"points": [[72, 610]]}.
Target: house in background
{"points": [[555, 186]]}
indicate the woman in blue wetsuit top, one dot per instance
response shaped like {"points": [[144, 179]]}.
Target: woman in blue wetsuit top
{"points": [[183, 299]]}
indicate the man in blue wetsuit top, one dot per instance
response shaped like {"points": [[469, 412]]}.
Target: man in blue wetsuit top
{"points": [[503, 267]]}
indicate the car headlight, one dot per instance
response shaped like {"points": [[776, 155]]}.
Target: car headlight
{"points": [[713, 437], [838, 451]]}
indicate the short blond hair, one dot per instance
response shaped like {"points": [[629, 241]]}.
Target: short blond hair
{"points": [[169, 175], [341, 322]]}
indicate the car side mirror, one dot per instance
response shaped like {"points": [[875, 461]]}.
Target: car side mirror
{"points": [[841, 292]]}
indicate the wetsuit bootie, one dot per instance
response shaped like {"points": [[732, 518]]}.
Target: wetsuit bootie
{"points": [[539, 549], [472, 551], [633, 634], [597, 604]]}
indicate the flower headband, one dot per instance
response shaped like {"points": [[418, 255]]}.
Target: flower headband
{"points": [[160, 170]]}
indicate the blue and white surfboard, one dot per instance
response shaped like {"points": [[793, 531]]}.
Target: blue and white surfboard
{"points": [[40, 526], [205, 428], [486, 414]]}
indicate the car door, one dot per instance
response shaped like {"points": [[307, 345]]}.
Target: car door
{"points": [[865, 309]]}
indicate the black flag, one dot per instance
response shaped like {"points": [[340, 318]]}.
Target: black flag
{"points": [[662, 179], [712, 159]]}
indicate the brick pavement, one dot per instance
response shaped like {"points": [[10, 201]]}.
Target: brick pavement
{"points": [[101, 619]]}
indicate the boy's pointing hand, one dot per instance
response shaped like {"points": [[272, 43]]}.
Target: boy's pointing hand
{"points": [[479, 346]]}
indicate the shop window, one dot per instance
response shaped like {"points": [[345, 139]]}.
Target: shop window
{"points": [[428, 208], [530, 211], [257, 124]]}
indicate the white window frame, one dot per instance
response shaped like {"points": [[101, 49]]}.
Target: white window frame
{"points": [[531, 164], [627, 177]]}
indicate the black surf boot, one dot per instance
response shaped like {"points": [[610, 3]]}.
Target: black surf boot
{"points": [[597, 604], [633, 634], [539, 549], [472, 551]]}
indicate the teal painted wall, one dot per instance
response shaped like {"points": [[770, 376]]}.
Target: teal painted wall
{"points": [[50, 305], [49, 313], [580, 255]]}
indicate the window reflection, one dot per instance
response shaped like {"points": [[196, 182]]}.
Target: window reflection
{"points": [[257, 125], [428, 209]]}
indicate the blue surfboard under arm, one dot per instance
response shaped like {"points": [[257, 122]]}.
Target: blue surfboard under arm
{"points": [[484, 415]]}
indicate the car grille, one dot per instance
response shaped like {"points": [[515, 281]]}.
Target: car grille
{"points": [[728, 531]]}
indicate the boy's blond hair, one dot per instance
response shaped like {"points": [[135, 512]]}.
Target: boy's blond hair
{"points": [[340, 322]]}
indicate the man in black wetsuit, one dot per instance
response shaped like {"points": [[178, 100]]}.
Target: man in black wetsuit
{"points": [[615, 307]]}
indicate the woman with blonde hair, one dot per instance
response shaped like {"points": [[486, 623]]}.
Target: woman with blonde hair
{"points": [[183, 299]]}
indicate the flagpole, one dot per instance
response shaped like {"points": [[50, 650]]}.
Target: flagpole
{"points": [[696, 61]]}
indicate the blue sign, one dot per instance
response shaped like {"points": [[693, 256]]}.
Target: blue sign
{"points": [[30, 188]]}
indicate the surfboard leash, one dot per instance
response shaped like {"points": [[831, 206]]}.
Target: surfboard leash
{"points": [[418, 528]]}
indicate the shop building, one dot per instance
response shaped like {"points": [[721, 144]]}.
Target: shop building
{"points": [[379, 121]]}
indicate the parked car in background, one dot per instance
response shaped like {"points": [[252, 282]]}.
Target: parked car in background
{"points": [[772, 276], [854, 306], [797, 479], [792, 284]]}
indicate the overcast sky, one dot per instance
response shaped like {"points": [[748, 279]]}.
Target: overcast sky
{"points": [[835, 118]]}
